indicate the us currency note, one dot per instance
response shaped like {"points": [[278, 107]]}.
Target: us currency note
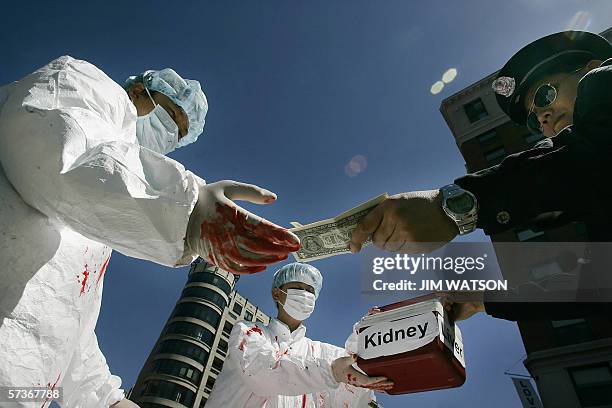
{"points": [[331, 237]]}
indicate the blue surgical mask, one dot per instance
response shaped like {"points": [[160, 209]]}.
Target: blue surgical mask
{"points": [[157, 130]]}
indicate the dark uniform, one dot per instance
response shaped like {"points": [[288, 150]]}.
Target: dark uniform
{"points": [[570, 174]]}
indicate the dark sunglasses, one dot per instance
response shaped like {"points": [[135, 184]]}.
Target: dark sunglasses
{"points": [[544, 96]]}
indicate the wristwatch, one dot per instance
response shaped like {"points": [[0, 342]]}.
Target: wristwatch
{"points": [[461, 207]]}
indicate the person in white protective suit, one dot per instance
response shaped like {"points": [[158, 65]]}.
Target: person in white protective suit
{"points": [[82, 172], [276, 365]]}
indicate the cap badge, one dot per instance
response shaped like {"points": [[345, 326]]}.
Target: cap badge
{"points": [[504, 86]]}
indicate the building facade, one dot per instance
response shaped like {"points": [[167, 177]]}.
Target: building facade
{"points": [[570, 360], [189, 354]]}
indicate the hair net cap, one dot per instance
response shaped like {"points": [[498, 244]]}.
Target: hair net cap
{"points": [[299, 272], [186, 93]]}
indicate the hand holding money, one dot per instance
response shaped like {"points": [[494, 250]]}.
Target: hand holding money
{"points": [[410, 223], [331, 237]]}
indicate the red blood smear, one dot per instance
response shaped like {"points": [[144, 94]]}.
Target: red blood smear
{"points": [[229, 225], [304, 401], [242, 344], [254, 330], [51, 388], [102, 270], [86, 275]]}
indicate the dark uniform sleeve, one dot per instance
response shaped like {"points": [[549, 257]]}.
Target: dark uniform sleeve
{"points": [[526, 311], [569, 173]]}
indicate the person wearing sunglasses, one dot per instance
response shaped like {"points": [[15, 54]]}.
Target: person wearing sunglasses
{"points": [[560, 86]]}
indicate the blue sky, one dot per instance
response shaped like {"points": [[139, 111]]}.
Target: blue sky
{"points": [[296, 89]]}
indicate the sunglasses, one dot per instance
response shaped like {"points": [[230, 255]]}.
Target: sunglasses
{"points": [[543, 97]]}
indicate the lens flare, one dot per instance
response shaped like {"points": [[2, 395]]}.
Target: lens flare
{"points": [[437, 87], [356, 165], [580, 21], [449, 75]]}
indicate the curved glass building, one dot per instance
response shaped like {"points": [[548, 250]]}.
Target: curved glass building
{"points": [[189, 354]]}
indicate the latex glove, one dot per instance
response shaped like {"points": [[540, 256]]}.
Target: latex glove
{"points": [[351, 345], [411, 222], [343, 371], [231, 237]]}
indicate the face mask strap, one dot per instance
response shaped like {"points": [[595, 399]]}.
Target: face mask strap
{"points": [[152, 100]]}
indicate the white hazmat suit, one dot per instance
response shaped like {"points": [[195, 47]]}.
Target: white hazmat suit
{"points": [[271, 367], [73, 183]]}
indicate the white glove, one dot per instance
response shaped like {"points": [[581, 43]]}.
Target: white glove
{"points": [[231, 237], [343, 371]]}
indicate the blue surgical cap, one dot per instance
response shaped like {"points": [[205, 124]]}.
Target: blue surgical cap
{"points": [[299, 272], [185, 93]]}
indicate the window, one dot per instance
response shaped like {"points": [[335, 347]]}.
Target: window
{"points": [[546, 270], [199, 311], [237, 308], [528, 235], [184, 348], [260, 321], [223, 345], [227, 328], [593, 385], [495, 156], [581, 230], [532, 138], [248, 316], [475, 110], [192, 330], [207, 277], [571, 331], [217, 364], [177, 369], [168, 390], [207, 294], [210, 383], [488, 138]]}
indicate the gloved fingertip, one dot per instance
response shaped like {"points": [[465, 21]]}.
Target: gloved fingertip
{"points": [[270, 198]]}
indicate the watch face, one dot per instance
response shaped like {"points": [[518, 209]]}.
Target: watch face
{"points": [[460, 204]]}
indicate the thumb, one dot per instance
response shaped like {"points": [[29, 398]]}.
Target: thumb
{"points": [[366, 227], [248, 192]]}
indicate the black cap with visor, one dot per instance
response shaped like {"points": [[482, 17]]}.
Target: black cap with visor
{"points": [[542, 57]]}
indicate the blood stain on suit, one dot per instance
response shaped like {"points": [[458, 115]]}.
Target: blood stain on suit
{"points": [[101, 274], [51, 388], [254, 330], [84, 281]]}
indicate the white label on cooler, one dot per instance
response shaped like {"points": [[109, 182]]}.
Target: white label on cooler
{"points": [[398, 336], [450, 335]]}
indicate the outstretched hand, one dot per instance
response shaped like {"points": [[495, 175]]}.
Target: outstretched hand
{"points": [[231, 237], [343, 371], [411, 222]]}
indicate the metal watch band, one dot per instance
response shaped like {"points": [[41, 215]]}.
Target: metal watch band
{"points": [[467, 222]]}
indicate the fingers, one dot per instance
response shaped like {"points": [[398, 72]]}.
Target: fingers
{"points": [[235, 190], [247, 226], [374, 310], [257, 261], [229, 265], [366, 227], [257, 245], [395, 240]]}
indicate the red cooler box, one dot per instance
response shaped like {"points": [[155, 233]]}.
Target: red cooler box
{"points": [[413, 344]]}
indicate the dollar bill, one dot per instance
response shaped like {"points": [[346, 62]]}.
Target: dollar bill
{"points": [[331, 237]]}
